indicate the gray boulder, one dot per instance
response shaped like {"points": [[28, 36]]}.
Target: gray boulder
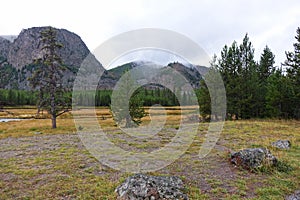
{"points": [[282, 144], [253, 158], [145, 187], [295, 196]]}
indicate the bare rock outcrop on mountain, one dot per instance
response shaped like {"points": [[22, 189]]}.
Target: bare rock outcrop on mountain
{"points": [[28, 46], [17, 57], [4, 48]]}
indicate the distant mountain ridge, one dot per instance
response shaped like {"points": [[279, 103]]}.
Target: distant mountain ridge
{"points": [[192, 73], [16, 61]]}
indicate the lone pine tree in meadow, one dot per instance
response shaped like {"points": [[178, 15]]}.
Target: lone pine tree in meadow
{"points": [[127, 105], [48, 77]]}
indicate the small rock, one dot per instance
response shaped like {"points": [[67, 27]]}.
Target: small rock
{"points": [[295, 196], [282, 144], [141, 186], [253, 158], [38, 133]]}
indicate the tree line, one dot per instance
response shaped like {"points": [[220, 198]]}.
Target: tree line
{"points": [[149, 97], [256, 89], [17, 97]]}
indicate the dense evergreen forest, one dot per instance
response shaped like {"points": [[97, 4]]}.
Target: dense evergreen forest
{"points": [[17, 97], [256, 89], [164, 97]]}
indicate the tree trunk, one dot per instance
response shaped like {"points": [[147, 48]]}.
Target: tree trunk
{"points": [[52, 103], [53, 121]]}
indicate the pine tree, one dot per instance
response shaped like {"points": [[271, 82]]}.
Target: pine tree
{"points": [[126, 104], [211, 94], [249, 80], [279, 103], [239, 73], [204, 101], [229, 65], [265, 70], [48, 77], [293, 73]]}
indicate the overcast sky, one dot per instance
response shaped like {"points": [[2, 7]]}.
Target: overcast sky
{"points": [[210, 23]]}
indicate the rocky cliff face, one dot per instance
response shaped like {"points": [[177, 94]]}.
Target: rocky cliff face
{"points": [[4, 48], [21, 53], [190, 73], [27, 47]]}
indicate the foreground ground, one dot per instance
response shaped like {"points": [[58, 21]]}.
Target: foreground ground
{"points": [[39, 163]]}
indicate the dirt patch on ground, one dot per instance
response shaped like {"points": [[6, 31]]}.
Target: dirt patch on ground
{"points": [[31, 165]]}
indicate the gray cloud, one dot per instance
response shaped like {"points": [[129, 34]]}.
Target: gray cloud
{"points": [[210, 23]]}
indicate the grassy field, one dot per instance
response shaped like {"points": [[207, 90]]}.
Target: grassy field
{"points": [[37, 162]]}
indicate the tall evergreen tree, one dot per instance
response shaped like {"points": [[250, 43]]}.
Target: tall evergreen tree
{"points": [[249, 82], [293, 72], [265, 70], [211, 98], [279, 103], [126, 104], [204, 101], [48, 78], [239, 73], [229, 65]]}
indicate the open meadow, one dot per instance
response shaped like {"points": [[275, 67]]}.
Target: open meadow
{"points": [[37, 162]]}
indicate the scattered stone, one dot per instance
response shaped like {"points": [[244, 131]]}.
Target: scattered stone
{"points": [[38, 133], [253, 158], [282, 144], [141, 186], [295, 196]]}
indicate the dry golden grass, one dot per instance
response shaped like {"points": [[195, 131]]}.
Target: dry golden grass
{"points": [[65, 123], [69, 171]]}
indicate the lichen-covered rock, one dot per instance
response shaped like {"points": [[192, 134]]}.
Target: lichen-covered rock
{"points": [[145, 187], [253, 158], [282, 144], [295, 196]]}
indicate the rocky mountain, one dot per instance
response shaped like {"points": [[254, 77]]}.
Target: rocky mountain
{"points": [[166, 75], [4, 48], [17, 56], [27, 47], [191, 73]]}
